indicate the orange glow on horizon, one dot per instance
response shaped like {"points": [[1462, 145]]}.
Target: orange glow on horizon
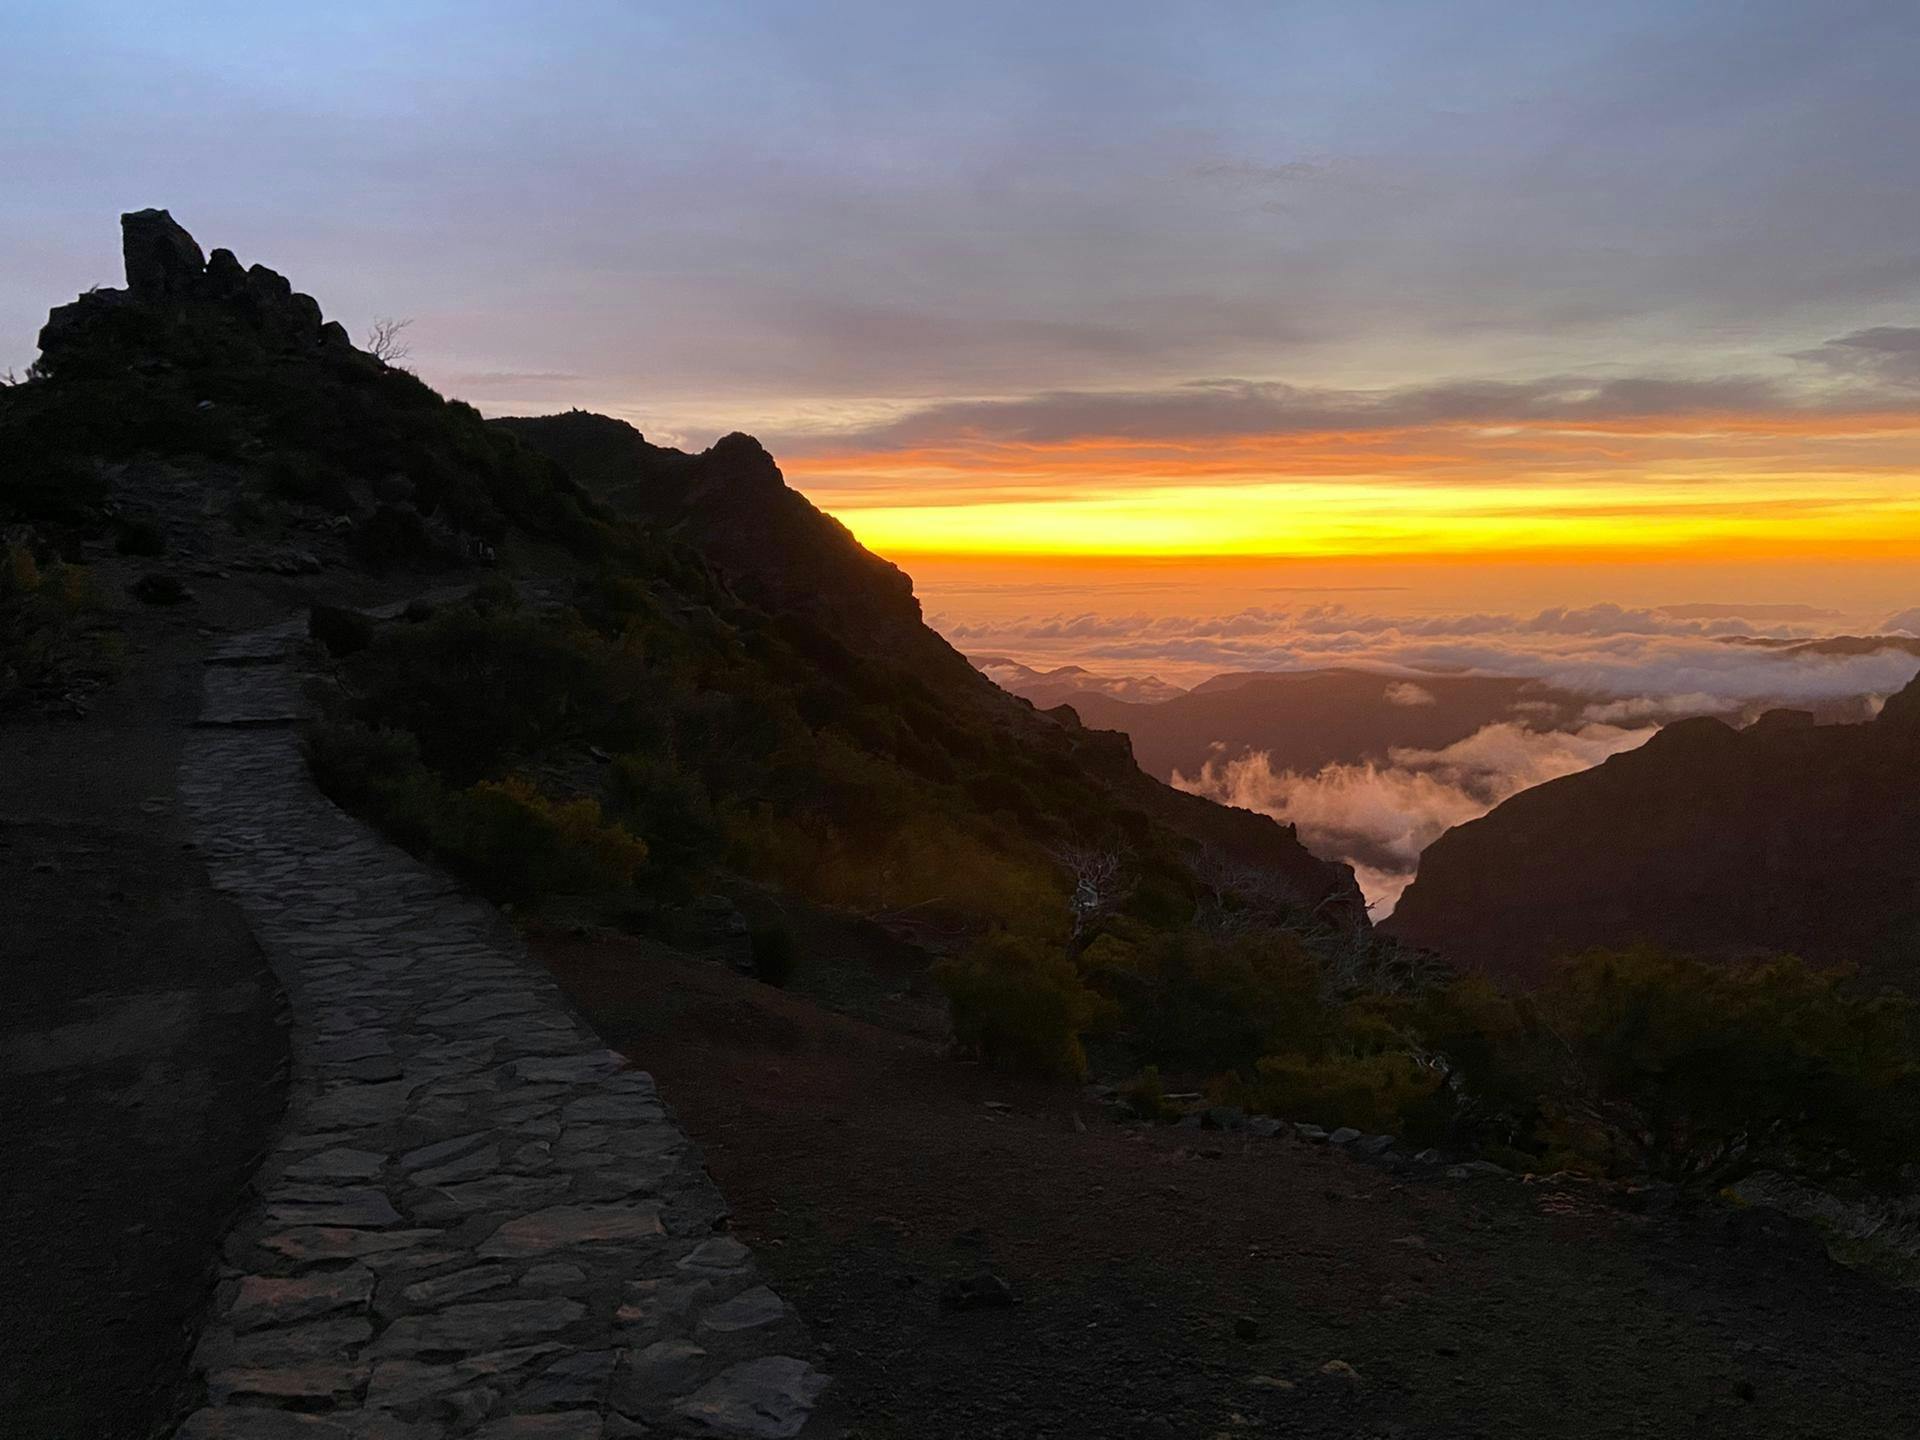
{"points": [[1706, 486]]}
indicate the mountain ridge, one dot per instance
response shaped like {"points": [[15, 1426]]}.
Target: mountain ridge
{"points": [[1785, 836], [216, 404]]}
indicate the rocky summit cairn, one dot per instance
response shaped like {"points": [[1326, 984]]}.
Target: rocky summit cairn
{"points": [[163, 261], [174, 290]]}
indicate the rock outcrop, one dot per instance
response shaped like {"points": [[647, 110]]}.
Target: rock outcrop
{"points": [[1782, 837], [163, 261], [168, 280]]}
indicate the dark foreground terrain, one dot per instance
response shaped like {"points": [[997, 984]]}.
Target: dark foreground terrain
{"points": [[142, 1058], [1179, 1283]]}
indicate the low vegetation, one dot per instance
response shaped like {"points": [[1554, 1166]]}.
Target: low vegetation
{"points": [[51, 632], [1646, 1062]]}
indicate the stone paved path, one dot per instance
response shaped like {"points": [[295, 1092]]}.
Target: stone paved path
{"points": [[476, 1221]]}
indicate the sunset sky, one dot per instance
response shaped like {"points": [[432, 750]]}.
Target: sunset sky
{"points": [[1577, 283]]}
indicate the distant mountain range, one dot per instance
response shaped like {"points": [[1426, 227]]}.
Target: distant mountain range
{"points": [[1305, 719], [1048, 688]]}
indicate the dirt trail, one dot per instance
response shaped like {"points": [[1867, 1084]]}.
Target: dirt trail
{"points": [[142, 1042], [1179, 1283], [140, 1052]]}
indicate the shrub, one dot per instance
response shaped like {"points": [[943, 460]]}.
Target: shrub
{"points": [[667, 805], [773, 957], [512, 841], [1644, 1061], [1211, 1002], [49, 634], [522, 845], [482, 689], [1147, 1095], [1020, 1003], [920, 860], [1387, 1092]]}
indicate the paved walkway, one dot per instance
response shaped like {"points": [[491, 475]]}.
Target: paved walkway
{"points": [[476, 1221]]}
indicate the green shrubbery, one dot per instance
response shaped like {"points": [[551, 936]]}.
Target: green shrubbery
{"points": [[48, 627], [1633, 1063], [703, 754], [511, 840], [1209, 1002], [1649, 1062], [1389, 1092], [1021, 1003]]}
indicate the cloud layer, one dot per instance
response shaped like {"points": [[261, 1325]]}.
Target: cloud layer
{"points": [[1649, 660], [1380, 816], [1611, 674]]}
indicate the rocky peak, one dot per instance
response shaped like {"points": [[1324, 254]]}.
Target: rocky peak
{"points": [[1783, 719], [163, 261], [174, 292]]}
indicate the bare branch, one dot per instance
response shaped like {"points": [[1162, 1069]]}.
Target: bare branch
{"points": [[1102, 881], [384, 341]]}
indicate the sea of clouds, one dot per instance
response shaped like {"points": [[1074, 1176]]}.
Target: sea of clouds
{"points": [[1632, 669]]}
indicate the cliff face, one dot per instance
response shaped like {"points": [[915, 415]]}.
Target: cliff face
{"points": [[1784, 836]]}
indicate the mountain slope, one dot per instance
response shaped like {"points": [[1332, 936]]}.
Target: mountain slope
{"points": [[780, 552], [782, 705], [1784, 836]]}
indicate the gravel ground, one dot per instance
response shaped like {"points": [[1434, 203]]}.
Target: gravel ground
{"points": [[1173, 1283], [141, 1054]]}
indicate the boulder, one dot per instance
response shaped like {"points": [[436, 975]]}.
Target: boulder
{"points": [[225, 277], [163, 261]]}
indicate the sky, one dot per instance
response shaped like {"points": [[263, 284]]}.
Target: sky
{"points": [[1557, 281]]}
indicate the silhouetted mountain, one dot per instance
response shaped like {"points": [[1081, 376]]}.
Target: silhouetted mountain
{"points": [[731, 504], [1839, 645], [779, 552], [1783, 837], [785, 675], [1047, 688]]}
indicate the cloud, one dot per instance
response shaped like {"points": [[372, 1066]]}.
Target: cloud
{"points": [[1382, 816], [1405, 692], [1650, 658], [1888, 354], [498, 379], [1223, 408], [1906, 620]]}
